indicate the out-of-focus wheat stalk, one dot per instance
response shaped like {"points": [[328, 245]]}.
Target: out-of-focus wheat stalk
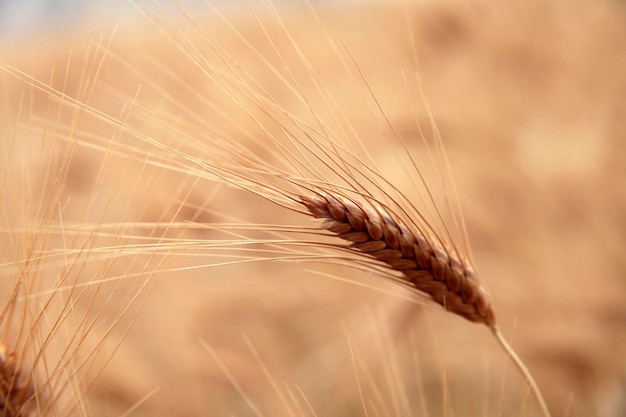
{"points": [[63, 312], [16, 391]]}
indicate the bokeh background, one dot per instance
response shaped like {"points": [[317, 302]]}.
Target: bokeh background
{"points": [[530, 100]]}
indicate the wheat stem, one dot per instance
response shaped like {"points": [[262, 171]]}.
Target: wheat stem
{"points": [[523, 369]]}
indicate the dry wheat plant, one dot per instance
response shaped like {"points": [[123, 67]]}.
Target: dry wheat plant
{"points": [[256, 212]]}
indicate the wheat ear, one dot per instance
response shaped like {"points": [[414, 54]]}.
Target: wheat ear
{"points": [[426, 264], [16, 391]]}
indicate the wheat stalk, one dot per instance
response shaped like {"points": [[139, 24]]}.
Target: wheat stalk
{"points": [[425, 264]]}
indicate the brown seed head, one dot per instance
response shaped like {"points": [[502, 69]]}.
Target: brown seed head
{"points": [[16, 393], [427, 266]]}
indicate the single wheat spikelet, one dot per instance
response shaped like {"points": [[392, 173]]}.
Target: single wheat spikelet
{"points": [[16, 391], [430, 268]]}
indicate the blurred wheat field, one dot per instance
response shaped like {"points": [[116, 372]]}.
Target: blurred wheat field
{"points": [[529, 99]]}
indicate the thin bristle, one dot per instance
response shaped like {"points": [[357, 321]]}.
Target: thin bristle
{"points": [[426, 266]]}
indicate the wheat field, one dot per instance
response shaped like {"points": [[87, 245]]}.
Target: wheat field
{"points": [[148, 270]]}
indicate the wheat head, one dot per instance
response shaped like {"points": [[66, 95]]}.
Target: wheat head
{"points": [[16, 390], [425, 264]]}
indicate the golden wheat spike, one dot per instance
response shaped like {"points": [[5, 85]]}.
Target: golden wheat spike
{"points": [[16, 390], [433, 270]]}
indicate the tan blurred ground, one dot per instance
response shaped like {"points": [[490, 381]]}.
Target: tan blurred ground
{"points": [[530, 99]]}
